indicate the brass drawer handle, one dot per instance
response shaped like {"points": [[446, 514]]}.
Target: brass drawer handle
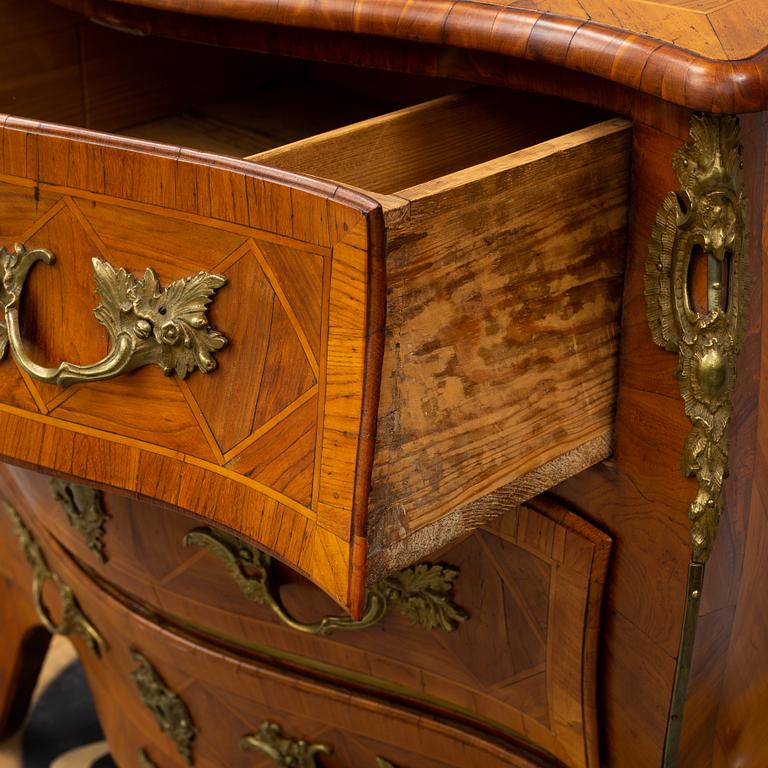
{"points": [[144, 760], [284, 751], [73, 620], [146, 323], [422, 592]]}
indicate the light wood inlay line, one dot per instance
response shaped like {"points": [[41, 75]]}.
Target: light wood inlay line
{"points": [[160, 450], [30, 385], [322, 377], [201, 420], [273, 422], [289, 311], [210, 221]]}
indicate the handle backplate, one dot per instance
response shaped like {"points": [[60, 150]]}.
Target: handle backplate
{"points": [[147, 324]]}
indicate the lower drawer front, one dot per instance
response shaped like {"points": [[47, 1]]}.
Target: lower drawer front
{"points": [[524, 660], [178, 701]]}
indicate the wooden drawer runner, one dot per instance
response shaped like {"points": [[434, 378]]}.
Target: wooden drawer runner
{"points": [[210, 701], [525, 660], [451, 285]]}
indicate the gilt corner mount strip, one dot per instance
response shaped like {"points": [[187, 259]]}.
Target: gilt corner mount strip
{"points": [[704, 222]]}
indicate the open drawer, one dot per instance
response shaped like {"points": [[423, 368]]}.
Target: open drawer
{"points": [[432, 320]]}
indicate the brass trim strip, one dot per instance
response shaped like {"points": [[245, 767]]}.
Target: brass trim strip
{"points": [[683, 669], [701, 228]]}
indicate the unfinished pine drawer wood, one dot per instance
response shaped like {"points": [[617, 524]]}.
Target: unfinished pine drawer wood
{"points": [[501, 246], [503, 299]]}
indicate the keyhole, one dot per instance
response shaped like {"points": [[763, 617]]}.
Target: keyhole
{"points": [[720, 283], [698, 280], [708, 281]]}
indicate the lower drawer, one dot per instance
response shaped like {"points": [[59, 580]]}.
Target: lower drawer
{"points": [[524, 662], [167, 699]]}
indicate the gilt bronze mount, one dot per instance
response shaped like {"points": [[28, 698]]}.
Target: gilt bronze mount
{"points": [[170, 712], [285, 752], [704, 225], [73, 620], [147, 324], [706, 220], [422, 592], [84, 510]]}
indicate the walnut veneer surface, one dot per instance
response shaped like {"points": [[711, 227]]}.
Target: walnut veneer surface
{"points": [[705, 55], [509, 354]]}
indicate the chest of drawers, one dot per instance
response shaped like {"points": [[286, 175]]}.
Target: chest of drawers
{"points": [[392, 312]]}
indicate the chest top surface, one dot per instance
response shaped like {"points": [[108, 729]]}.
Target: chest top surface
{"points": [[709, 55]]}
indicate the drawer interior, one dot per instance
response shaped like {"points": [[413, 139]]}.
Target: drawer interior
{"points": [[383, 154], [496, 219], [506, 218]]}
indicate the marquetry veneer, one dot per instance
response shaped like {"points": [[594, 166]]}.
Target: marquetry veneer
{"points": [[357, 306], [530, 583], [512, 250]]}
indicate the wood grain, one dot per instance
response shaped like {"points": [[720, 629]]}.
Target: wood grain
{"points": [[499, 360], [129, 202], [727, 702], [531, 583], [641, 496], [465, 306], [710, 58], [417, 144], [230, 693], [23, 641]]}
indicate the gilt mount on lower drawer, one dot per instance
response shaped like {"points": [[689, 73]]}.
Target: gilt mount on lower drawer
{"points": [[170, 712], [73, 620], [285, 752], [84, 510], [422, 593]]}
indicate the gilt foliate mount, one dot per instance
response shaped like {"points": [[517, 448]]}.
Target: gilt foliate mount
{"points": [[283, 751], [84, 510], [705, 222], [147, 324], [423, 593], [170, 712]]}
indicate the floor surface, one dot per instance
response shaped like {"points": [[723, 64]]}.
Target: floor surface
{"points": [[59, 656]]}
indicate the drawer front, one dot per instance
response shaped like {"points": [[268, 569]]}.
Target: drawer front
{"points": [[274, 443], [177, 702], [524, 660]]}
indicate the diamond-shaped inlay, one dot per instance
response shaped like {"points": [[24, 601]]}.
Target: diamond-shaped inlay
{"points": [[57, 312], [265, 368]]}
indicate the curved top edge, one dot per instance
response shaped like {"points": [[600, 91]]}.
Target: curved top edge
{"points": [[638, 61], [330, 190]]}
